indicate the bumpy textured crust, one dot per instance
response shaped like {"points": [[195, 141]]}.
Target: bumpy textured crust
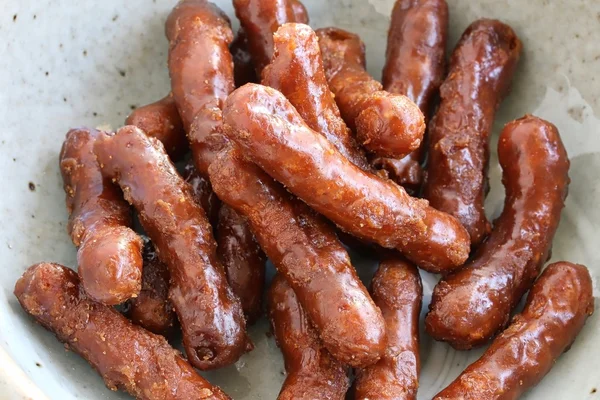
{"points": [[110, 253], [125, 355], [481, 69], [312, 373], [414, 66], [243, 69], [305, 250], [162, 121], [556, 310], [385, 124], [203, 193], [210, 314], [274, 136], [152, 309], [296, 70], [469, 307], [261, 19], [398, 292]]}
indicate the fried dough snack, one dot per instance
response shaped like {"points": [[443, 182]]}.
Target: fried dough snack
{"points": [[162, 121], [312, 373], [261, 19], [203, 193], [110, 253], [296, 70], [152, 309], [398, 292], [385, 124], [243, 69], [556, 310], [414, 66], [275, 137], [470, 306], [125, 355], [306, 251], [481, 70], [210, 314]]}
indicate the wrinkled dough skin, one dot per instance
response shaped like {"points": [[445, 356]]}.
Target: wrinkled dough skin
{"points": [[210, 315], [110, 253], [305, 250], [125, 355], [415, 65], [481, 70], [312, 373], [272, 134], [261, 19], [296, 70], [243, 68], [398, 292], [469, 307], [556, 310]]}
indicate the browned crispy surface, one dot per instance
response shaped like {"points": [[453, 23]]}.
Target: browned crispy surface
{"points": [[210, 314], [556, 310], [397, 291], [125, 355], [481, 70], [312, 373], [469, 307], [110, 253], [243, 68]]}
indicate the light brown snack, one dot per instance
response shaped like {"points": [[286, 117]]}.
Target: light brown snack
{"points": [[481, 70], [110, 253], [272, 134], [162, 121], [210, 314], [385, 124], [312, 373], [469, 307], [296, 70], [243, 69], [306, 251], [556, 310], [126, 356], [398, 292]]}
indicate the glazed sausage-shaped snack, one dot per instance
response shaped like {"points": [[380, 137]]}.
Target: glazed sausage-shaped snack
{"points": [[261, 19], [125, 355], [469, 307], [312, 373], [385, 124], [243, 69], [398, 292], [556, 310], [162, 121], [203, 193], [152, 309], [481, 69], [210, 314], [414, 66], [306, 251], [275, 137], [110, 253], [296, 70]]}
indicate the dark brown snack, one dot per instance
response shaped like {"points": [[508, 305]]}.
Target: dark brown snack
{"points": [[110, 253], [385, 124], [272, 134], [312, 373], [296, 70], [481, 70], [415, 64], [203, 193], [261, 19], [162, 121], [398, 292], [243, 69], [126, 356], [210, 314], [306, 251], [243, 259], [469, 307], [556, 310], [152, 309]]}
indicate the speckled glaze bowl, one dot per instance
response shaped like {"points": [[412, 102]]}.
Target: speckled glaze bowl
{"points": [[66, 64]]}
